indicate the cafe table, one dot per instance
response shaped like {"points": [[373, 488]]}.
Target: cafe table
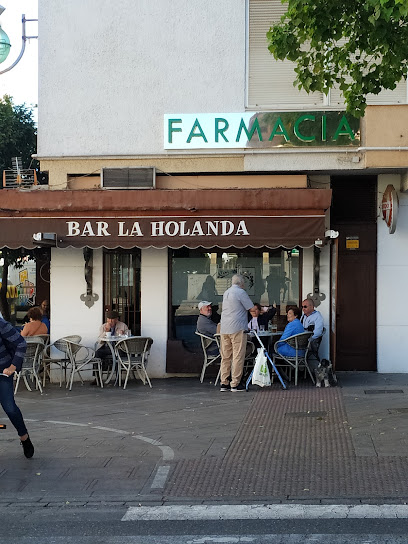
{"points": [[110, 341]]}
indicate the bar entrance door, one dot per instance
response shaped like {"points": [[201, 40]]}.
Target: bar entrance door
{"points": [[122, 285]]}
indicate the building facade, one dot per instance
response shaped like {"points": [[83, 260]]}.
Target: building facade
{"points": [[179, 153]]}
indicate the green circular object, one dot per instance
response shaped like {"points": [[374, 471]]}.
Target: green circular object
{"points": [[4, 45]]}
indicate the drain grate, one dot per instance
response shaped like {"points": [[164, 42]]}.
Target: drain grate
{"points": [[381, 391], [398, 410], [306, 414]]}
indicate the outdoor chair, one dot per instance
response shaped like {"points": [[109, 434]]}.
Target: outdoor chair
{"points": [[82, 358], [300, 342], [132, 355], [209, 344], [44, 337], [314, 347], [31, 364], [62, 362]]}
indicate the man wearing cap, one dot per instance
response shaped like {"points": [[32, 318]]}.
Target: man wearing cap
{"points": [[117, 328], [205, 325], [113, 325]]}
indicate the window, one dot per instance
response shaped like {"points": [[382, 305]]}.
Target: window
{"points": [[272, 276], [270, 82], [122, 286]]}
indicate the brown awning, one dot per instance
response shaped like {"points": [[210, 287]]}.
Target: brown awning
{"points": [[165, 218]]}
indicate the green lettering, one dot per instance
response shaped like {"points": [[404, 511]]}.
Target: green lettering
{"points": [[297, 132], [249, 134], [324, 128], [282, 132], [171, 129], [343, 129], [200, 133], [219, 130]]}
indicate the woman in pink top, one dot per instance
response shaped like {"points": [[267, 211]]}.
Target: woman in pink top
{"points": [[34, 326]]}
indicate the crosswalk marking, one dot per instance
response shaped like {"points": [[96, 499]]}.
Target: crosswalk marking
{"points": [[262, 511]]}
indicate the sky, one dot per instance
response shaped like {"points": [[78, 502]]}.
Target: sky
{"points": [[21, 82]]}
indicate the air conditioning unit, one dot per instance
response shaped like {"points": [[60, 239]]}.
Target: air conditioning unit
{"points": [[129, 178]]}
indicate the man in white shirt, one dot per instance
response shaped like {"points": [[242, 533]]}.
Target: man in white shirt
{"points": [[234, 322]]}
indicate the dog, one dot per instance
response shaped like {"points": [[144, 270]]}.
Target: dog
{"points": [[324, 373]]}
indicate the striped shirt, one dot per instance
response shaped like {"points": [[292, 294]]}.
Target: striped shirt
{"points": [[12, 346]]}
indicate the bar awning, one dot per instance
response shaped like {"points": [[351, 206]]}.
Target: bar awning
{"points": [[164, 218]]}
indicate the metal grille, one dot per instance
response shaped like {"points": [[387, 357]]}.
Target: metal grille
{"points": [[122, 286], [129, 178]]}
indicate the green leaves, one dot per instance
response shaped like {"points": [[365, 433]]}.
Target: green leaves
{"points": [[18, 133], [362, 45]]}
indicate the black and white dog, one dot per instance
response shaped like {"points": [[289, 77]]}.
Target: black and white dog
{"points": [[324, 373]]}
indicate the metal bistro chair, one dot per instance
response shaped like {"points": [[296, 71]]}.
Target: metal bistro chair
{"points": [[81, 358], [62, 362], [133, 354], [206, 344], [300, 342], [31, 364]]}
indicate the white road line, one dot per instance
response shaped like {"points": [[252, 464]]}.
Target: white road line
{"points": [[118, 431], [161, 477], [168, 453], [66, 423], [162, 473], [262, 511]]}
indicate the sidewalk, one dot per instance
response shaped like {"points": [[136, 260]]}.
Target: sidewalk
{"points": [[183, 441]]}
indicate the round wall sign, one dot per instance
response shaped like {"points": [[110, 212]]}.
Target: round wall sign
{"points": [[389, 208]]}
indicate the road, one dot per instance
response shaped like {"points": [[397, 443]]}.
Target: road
{"points": [[101, 525]]}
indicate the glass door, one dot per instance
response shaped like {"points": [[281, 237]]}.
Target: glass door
{"points": [[122, 286]]}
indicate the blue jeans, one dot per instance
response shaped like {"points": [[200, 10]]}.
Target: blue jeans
{"points": [[9, 405]]}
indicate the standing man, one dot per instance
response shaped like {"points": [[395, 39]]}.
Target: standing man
{"points": [[12, 350], [234, 321], [312, 321]]}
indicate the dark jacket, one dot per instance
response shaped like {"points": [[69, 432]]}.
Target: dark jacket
{"points": [[12, 346], [263, 319]]}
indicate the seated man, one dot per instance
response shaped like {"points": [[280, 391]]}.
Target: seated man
{"points": [[117, 328], [113, 325], [205, 325], [312, 321]]}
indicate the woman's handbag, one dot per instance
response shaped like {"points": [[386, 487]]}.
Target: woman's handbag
{"points": [[261, 375]]}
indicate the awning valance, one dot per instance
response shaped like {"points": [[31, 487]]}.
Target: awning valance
{"points": [[196, 218]]}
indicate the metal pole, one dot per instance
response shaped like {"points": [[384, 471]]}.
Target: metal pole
{"points": [[24, 38]]}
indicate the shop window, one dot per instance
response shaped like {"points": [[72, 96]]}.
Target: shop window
{"points": [[122, 285], [28, 284], [272, 276]]}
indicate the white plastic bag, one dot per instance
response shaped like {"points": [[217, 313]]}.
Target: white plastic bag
{"points": [[261, 375]]}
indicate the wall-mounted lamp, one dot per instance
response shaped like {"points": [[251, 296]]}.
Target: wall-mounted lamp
{"points": [[45, 239], [5, 42]]}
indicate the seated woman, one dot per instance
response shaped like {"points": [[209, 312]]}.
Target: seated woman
{"points": [[259, 319], [293, 327], [45, 310], [35, 325]]}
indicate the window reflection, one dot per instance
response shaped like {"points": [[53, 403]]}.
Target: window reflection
{"points": [[271, 276]]}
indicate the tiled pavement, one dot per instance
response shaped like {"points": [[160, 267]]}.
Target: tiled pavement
{"points": [[305, 444]]}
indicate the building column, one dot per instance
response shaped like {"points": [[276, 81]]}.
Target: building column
{"points": [[154, 306]]}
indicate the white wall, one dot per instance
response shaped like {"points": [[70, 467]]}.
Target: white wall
{"points": [[392, 274], [69, 315], [307, 287], [154, 303], [108, 72]]}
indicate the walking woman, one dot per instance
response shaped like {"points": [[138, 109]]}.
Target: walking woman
{"points": [[12, 350]]}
